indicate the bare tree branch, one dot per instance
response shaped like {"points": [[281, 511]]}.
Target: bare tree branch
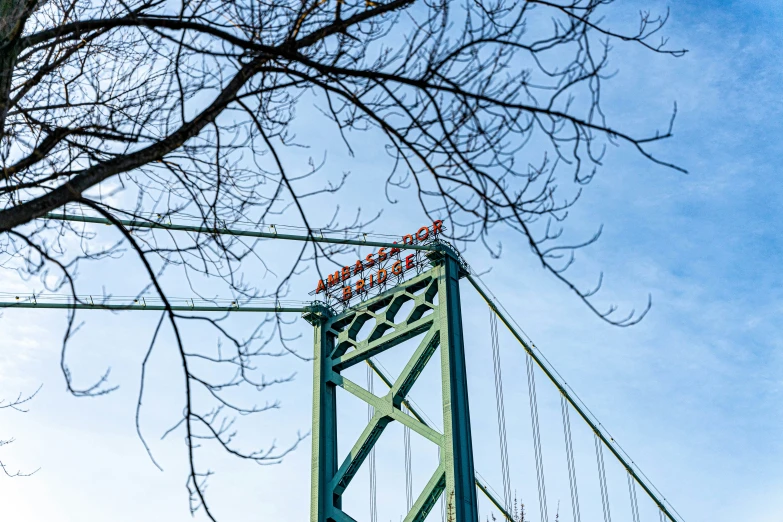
{"points": [[491, 115]]}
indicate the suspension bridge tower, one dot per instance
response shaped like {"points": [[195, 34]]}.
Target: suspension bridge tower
{"points": [[436, 314], [374, 293]]}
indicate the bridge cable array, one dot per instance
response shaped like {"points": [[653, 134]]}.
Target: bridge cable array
{"points": [[406, 437], [632, 494], [501, 410], [371, 457], [531, 387], [570, 459], [599, 457]]}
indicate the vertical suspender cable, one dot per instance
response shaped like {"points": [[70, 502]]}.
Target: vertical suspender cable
{"points": [[406, 434], [371, 457], [634, 501], [442, 496], [531, 387], [501, 410], [599, 457], [570, 459]]}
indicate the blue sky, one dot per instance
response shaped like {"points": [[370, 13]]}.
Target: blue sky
{"points": [[693, 393]]}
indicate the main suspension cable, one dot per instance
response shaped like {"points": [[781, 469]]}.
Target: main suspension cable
{"points": [[579, 406]]}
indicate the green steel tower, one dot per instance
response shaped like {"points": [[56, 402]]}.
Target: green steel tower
{"points": [[436, 314]]}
